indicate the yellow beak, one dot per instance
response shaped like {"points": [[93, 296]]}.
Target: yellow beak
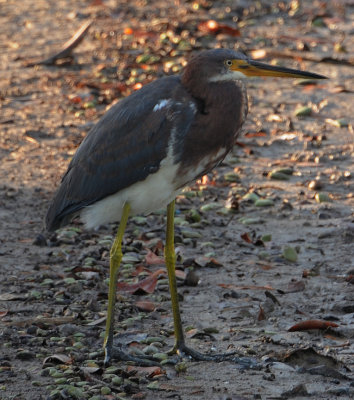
{"points": [[256, 68]]}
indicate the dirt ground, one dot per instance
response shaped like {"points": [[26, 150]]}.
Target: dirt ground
{"points": [[264, 242]]}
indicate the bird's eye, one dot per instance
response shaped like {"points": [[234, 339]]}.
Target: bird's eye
{"points": [[228, 63]]}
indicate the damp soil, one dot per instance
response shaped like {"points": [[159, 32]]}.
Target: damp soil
{"points": [[264, 242]]}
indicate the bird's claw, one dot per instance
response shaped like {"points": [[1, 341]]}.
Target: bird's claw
{"points": [[243, 362], [181, 351], [116, 353]]}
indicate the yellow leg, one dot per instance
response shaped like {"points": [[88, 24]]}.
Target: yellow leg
{"points": [[115, 260], [170, 259]]}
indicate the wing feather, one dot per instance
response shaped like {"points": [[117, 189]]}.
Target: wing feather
{"points": [[124, 147]]}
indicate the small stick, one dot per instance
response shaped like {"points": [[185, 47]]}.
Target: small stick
{"points": [[68, 47]]}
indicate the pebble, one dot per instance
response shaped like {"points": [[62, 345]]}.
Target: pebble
{"points": [[74, 392], [315, 184], [25, 355], [264, 203], [321, 197], [160, 356], [191, 234], [117, 380], [210, 207], [192, 279], [105, 390], [290, 254], [303, 111], [150, 349], [250, 220], [153, 339], [280, 176], [251, 197]]}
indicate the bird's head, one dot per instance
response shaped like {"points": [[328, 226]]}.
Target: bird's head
{"points": [[229, 65]]}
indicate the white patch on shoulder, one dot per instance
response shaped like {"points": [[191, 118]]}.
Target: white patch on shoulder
{"points": [[193, 106], [161, 104], [229, 76]]}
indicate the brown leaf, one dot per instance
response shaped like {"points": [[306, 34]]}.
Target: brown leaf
{"points": [[245, 236], [246, 287], [147, 285], [152, 259], [3, 313], [207, 262], [147, 306], [312, 324], [147, 372], [295, 286], [180, 274], [139, 269], [255, 134], [213, 27], [261, 314]]}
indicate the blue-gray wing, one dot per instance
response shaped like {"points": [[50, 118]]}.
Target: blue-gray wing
{"points": [[124, 147]]}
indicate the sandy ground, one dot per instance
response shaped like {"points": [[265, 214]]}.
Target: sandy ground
{"points": [[53, 287]]}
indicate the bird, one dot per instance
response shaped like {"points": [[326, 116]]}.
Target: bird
{"points": [[146, 148]]}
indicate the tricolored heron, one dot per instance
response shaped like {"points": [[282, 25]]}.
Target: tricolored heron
{"points": [[147, 147]]}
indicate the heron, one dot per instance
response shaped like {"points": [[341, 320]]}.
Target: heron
{"points": [[146, 148]]}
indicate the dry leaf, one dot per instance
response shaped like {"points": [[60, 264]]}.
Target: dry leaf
{"points": [[147, 372], [147, 306], [312, 324], [147, 285], [295, 286], [152, 259], [246, 287]]}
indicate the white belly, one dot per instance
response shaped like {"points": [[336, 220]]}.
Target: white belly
{"points": [[155, 192], [144, 197]]}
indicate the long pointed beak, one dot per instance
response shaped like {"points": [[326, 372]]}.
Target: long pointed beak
{"points": [[256, 68]]}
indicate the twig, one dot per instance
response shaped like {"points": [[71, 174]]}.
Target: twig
{"points": [[68, 47]]}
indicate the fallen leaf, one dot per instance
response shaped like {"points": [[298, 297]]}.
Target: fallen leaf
{"points": [[12, 296], [255, 134], [57, 359], [312, 324], [97, 321], [261, 314], [43, 321], [147, 285], [245, 236], [152, 259], [147, 372], [3, 313], [207, 262], [90, 370], [295, 286], [180, 274], [246, 287], [214, 27], [147, 306]]}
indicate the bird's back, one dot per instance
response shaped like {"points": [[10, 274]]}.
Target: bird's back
{"points": [[124, 147]]}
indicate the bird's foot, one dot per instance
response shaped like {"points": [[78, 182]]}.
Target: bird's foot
{"points": [[116, 353], [244, 362]]}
